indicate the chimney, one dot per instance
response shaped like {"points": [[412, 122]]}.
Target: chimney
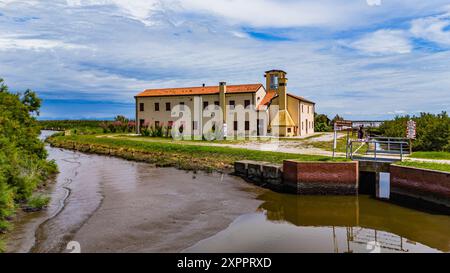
{"points": [[282, 93], [222, 101]]}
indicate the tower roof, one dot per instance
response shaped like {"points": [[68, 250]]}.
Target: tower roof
{"points": [[276, 70]]}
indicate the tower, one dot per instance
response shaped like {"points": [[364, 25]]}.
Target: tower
{"points": [[276, 81]]}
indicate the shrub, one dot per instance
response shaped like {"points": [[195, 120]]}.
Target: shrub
{"points": [[23, 158], [432, 131], [37, 203]]}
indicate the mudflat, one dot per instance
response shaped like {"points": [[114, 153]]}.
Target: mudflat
{"points": [[108, 204]]}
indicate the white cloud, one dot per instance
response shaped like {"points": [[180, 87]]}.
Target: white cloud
{"points": [[17, 42], [384, 41], [373, 2], [140, 10], [115, 57], [432, 28]]}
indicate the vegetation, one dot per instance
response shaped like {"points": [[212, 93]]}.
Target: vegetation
{"points": [[432, 155], [426, 165], [164, 153], [120, 125], [23, 159], [61, 125], [432, 131], [322, 123], [36, 203]]}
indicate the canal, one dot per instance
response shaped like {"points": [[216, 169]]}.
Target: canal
{"points": [[106, 204]]}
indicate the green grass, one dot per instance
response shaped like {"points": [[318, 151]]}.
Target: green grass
{"points": [[183, 156], [426, 165], [36, 203], [432, 155], [2, 246]]}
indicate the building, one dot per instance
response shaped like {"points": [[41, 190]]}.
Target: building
{"points": [[264, 110]]}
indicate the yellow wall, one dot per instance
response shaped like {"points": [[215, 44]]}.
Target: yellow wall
{"points": [[150, 115]]}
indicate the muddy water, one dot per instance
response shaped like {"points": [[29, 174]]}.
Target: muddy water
{"points": [[111, 205]]}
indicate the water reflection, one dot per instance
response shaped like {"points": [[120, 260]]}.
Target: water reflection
{"points": [[289, 223]]}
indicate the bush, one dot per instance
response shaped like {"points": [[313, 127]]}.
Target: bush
{"points": [[432, 131], [36, 203], [23, 158], [322, 123]]}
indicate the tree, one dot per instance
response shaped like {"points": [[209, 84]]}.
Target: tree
{"points": [[23, 158], [336, 118], [31, 100], [432, 131], [321, 123]]}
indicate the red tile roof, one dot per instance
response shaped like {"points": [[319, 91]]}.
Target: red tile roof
{"points": [[267, 99], [207, 90]]}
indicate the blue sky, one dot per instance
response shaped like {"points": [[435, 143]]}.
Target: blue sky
{"points": [[363, 59]]}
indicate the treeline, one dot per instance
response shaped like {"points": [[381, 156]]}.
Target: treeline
{"points": [[324, 124], [432, 131], [23, 158], [60, 125], [120, 124]]}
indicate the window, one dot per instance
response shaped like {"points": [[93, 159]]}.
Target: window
{"points": [[232, 104], [288, 130], [235, 125], [302, 125], [273, 81], [247, 125], [182, 106], [156, 106], [141, 122], [156, 123], [205, 104], [168, 108], [141, 106], [302, 109], [217, 103], [194, 125], [246, 103]]}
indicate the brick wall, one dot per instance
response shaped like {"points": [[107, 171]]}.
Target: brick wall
{"points": [[321, 177], [433, 186]]}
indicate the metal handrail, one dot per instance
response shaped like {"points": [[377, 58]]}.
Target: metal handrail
{"points": [[390, 149]]}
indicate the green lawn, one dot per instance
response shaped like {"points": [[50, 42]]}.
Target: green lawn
{"points": [[426, 165], [432, 155], [184, 156]]}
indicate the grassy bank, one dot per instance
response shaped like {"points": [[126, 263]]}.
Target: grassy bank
{"points": [[190, 157], [426, 165], [432, 155]]}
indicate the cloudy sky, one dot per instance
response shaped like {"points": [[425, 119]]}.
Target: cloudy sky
{"points": [[363, 59]]}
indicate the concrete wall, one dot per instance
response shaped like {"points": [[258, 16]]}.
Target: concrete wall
{"points": [[321, 177], [427, 185]]}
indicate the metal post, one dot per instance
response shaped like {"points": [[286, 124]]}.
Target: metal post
{"points": [[375, 150], [334, 142], [346, 146], [401, 151]]}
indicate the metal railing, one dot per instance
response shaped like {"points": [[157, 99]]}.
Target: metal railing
{"points": [[380, 146]]}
